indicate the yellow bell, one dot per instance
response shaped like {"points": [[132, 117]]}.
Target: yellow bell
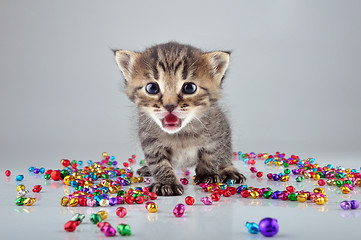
{"points": [[103, 214]]}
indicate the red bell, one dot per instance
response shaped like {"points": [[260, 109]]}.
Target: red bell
{"points": [[37, 188], [215, 197], [189, 200], [71, 226]]}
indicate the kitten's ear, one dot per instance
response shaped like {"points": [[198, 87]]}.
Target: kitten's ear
{"points": [[219, 63], [126, 61]]}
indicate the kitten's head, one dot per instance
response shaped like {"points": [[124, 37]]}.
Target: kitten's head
{"points": [[173, 83]]}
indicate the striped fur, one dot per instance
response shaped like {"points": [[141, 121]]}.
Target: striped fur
{"points": [[203, 138]]}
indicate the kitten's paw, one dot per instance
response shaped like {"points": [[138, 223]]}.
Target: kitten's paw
{"points": [[166, 189], [207, 178], [232, 173], [144, 171]]}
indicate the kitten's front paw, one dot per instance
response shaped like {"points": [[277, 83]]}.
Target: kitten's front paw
{"points": [[144, 171], [166, 189], [207, 178], [232, 173]]}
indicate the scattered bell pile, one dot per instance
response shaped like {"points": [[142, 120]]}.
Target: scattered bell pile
{"points": [[22, 192], [93, 185], [345, 179], [98, 219]]}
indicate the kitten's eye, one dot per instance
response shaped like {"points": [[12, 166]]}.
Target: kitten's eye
{"points": [[152, 88], [189, 88]]}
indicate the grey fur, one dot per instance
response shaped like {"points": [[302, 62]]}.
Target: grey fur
{"points": [[210, 134]]}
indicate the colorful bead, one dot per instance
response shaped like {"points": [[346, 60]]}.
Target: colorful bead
{"points": [[206, 201], [178, 210], [302, 197], [104, 202], [232, 190], [109, 231], [189, 200], [7, 173], [65, 162], [268, 227], [230, 182], [215, 197], [285, 178], [345, 205], [37, 188], [345, 190], [299, 178], [19, 178], [184, 181], [267, 194], [292, 197], [316, 177], [103, 225], [20, 187], [283, 196], [152, 196], [152, 207], [254, 194], [91, 202], [95, 218], [22, 193], [124, 230], [320, 201], [73, 202], [121, 212], [55, 175], [276, 177], [319, 190], [19, 201], [253, 169], [29, 201], [146, 204], [252, 227], [321, 182], [291, 189], [226, 193], [64, 201], [307, 175], [354, 204], [70, 226], [78, 217], [129, 199], [287, 171], [103, 215], [113, 201], [245, 193]]}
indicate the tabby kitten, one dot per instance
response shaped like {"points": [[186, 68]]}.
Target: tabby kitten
{"points": [[176, 88]]}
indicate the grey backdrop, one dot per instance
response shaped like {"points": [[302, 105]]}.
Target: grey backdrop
{"points": [[293, 84]]}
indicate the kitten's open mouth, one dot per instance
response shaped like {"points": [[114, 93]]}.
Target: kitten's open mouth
{"points": [[171, 121]]}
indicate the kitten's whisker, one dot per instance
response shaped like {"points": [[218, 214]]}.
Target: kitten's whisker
{"points": [[204, 126], [148, 124]]}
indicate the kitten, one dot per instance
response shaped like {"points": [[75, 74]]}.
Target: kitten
{"points": [[176, 88]]}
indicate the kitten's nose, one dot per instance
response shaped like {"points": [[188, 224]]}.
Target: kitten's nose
{"points": [[170, 107]]}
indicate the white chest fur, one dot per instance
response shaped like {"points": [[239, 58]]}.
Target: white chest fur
{"points": [[183, 158]]}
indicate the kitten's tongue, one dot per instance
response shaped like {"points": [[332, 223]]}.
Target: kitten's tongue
{"points": [[171, 119]]}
